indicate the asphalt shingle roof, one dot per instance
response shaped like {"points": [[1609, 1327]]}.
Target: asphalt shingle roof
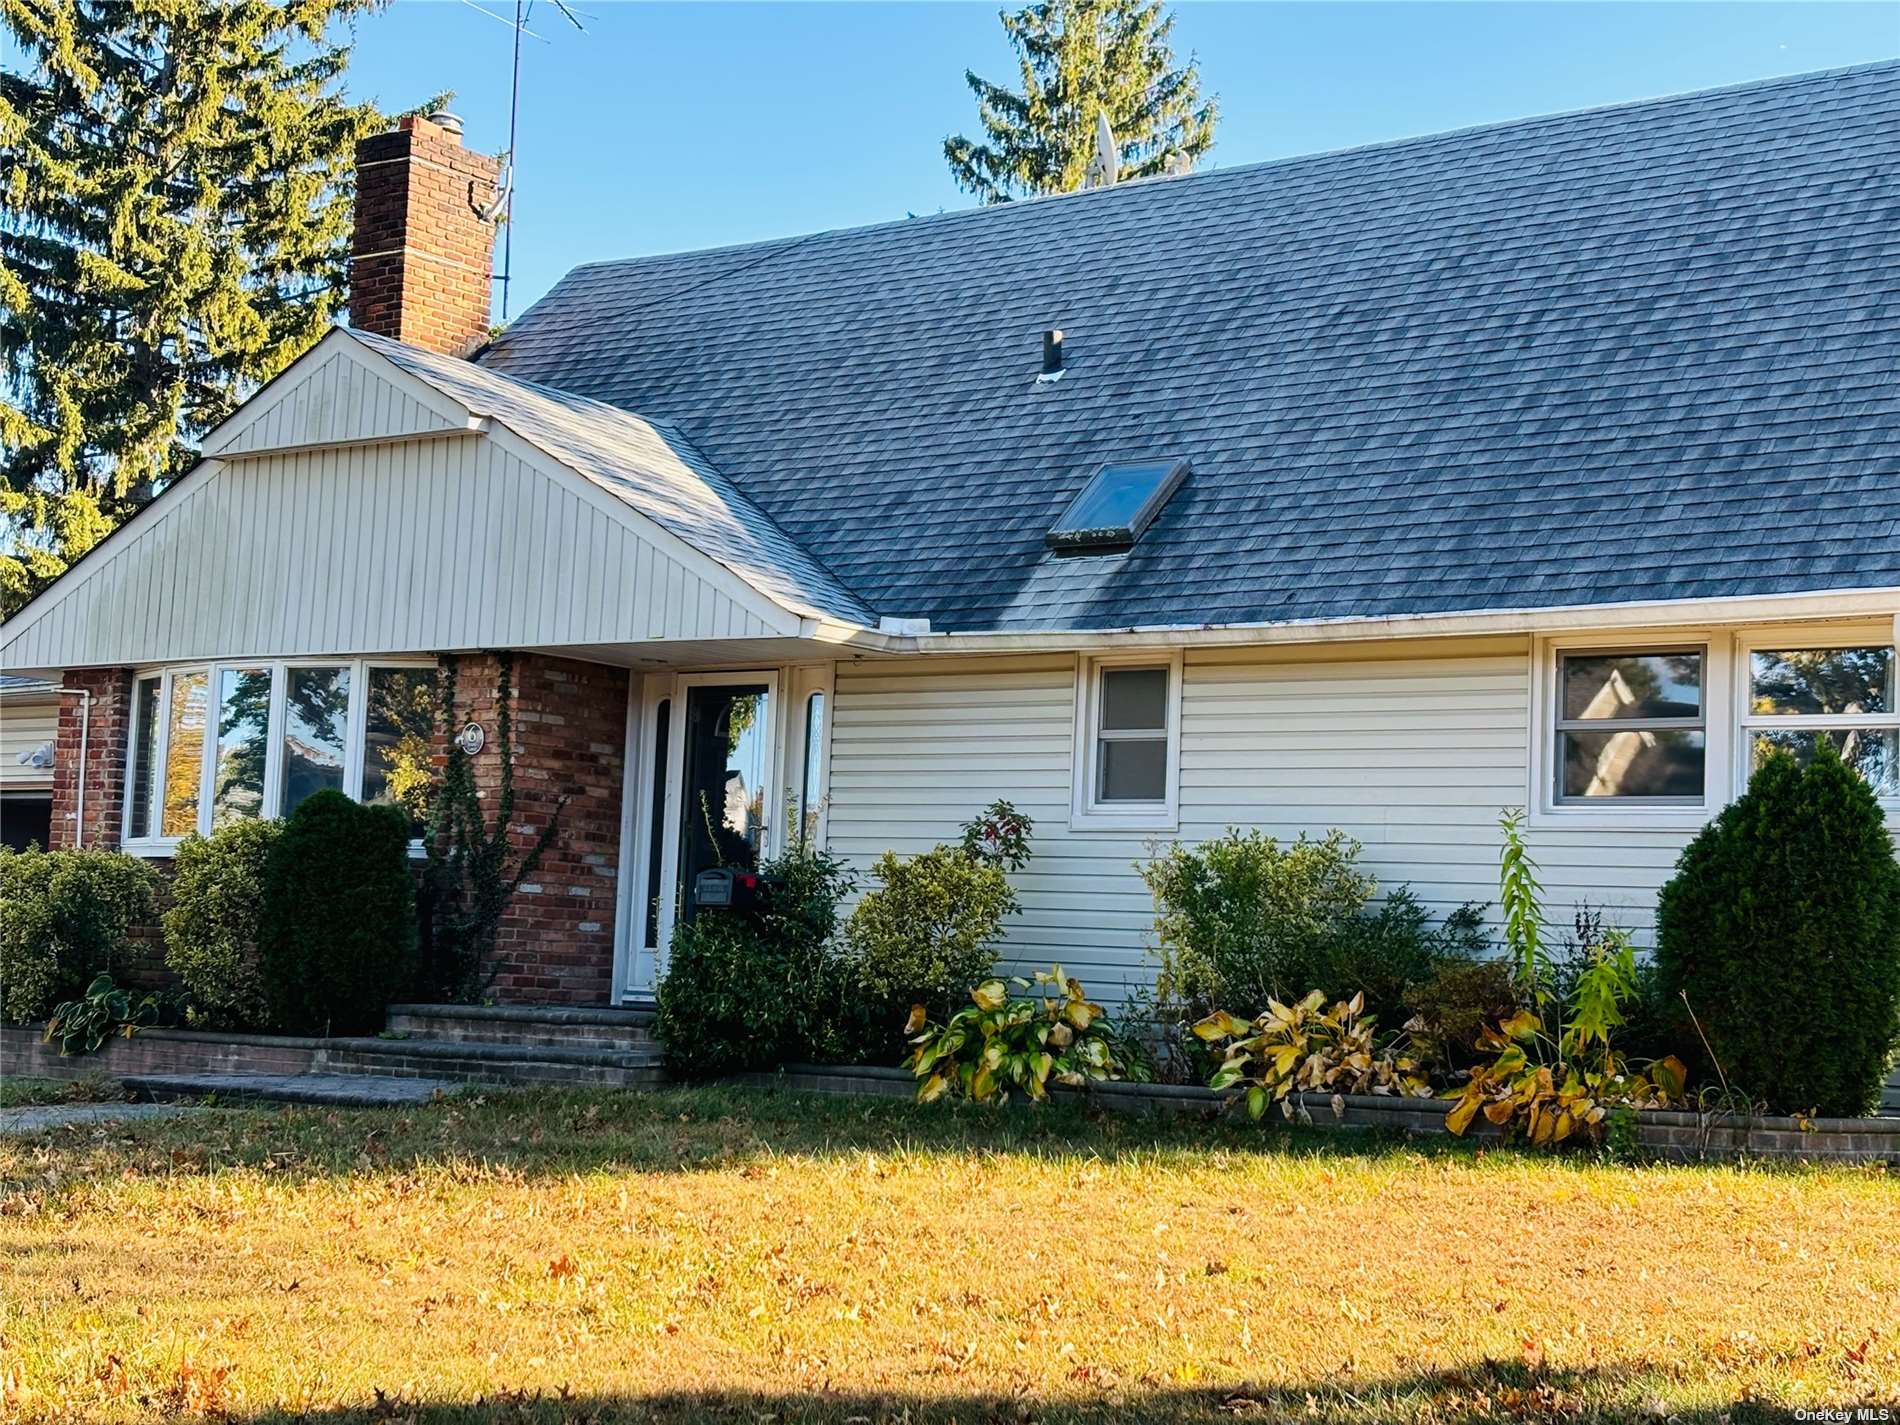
{"points": [[1637, 353], [649, 466]]}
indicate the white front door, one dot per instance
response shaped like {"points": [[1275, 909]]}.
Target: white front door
{"points": [[702, 765]]}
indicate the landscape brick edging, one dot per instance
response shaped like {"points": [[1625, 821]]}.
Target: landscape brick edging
{"points": [[1675, 1136], [1670, 1135]]}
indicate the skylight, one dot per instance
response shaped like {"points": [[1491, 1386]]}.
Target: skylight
{"points": [[1120, 500]]}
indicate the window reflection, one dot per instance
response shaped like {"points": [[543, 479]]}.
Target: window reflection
{"points": [[184, 752], [398, 730], [811, 795], [316, 721], [237, 783]]}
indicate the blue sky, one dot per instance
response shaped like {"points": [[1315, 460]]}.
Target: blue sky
{"points": [[668, 126]]}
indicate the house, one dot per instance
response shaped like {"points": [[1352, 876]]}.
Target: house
{"points": [[1553, 464]]}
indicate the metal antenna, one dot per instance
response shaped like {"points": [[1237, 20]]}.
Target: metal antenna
{"points": [[523, 9]]}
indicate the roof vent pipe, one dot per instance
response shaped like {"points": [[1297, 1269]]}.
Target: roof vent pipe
{"points": [[1051, 354], [447, 122]]}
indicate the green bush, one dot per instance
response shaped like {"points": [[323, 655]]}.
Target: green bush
{"points": [[748, 991], [924, 935], [65, 917], [1380, 954], [1452, 1006], [212, 926], [1244, 919], [337, 939], [1781, 929]]}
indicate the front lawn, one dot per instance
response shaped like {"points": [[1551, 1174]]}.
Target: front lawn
{"points": [[733, 1255]]}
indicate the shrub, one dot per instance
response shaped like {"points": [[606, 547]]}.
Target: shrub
{"points": [[927, 931], [1781, 929], [337, 938], [999, 833], [746, 991], [999, 1044], [1305, 1048], [211, 928], [65, 918], [1452, 1006], [1243, 920], [1380, 954]]}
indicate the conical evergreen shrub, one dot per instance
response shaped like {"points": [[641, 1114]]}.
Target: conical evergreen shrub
{"points": [[337, 937], [1782, 929]]}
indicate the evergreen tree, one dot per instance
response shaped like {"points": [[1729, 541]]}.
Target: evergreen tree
{"points": [[1080, 58], [175, 212], [1781, 930]]}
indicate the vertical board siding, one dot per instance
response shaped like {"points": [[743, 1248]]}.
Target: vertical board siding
{"points": [[342, 400], [1412, 751], [410, 546]]}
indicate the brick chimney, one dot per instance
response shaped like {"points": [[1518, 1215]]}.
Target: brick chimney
{"points": [[422, 256]]}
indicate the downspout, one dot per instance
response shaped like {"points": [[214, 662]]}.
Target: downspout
{"points": [[85, 731]]}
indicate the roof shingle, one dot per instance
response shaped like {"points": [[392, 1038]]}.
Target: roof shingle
{"points": [[1637, 353]]}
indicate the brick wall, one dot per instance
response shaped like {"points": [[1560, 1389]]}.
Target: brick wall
{"points": [[106, 732], [421, 256], [557, 940]]}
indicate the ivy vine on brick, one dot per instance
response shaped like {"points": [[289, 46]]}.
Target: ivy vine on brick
{"points": [[473, 869]]}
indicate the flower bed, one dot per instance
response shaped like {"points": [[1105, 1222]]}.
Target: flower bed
{"points": [[1671, 1135]]}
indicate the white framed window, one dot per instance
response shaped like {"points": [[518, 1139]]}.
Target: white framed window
{"points": [[1797, 688], [219, 742], [1127, 759], [1630, 731]]}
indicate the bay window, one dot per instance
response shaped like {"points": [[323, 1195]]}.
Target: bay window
{"points": [[282, 732]]}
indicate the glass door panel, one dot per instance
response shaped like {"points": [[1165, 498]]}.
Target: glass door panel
{"points": [[723, 775]]}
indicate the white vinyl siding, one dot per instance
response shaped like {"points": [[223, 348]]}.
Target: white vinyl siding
{"points": [[414, 546], [338, 400], [24, 728], [1412, 748]]}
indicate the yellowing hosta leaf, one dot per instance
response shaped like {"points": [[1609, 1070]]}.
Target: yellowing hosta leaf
{"points": [[1669, 1074], [1462, 1112], [932, 1088], [1220, 1025], [917, 1020], [1522, 1025], [990, 995], [1256, 1101], [1081, 1013]]}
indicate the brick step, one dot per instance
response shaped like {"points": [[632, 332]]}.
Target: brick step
{"points": [[553, 1025], [497, 1062]]}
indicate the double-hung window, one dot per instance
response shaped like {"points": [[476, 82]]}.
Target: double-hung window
{"points": [[1800, 694], [1127, 754], [1631, 727], [215, 744]]}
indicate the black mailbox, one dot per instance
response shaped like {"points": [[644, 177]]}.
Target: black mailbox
{"points": [[723, 888]]}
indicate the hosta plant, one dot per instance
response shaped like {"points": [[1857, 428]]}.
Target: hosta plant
{"points": [[1551, 1089], [999, 1044], [81, 1026], [1306, 1047]]}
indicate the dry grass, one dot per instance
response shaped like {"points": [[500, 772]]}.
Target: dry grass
{"points": [[717, 1254]]}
